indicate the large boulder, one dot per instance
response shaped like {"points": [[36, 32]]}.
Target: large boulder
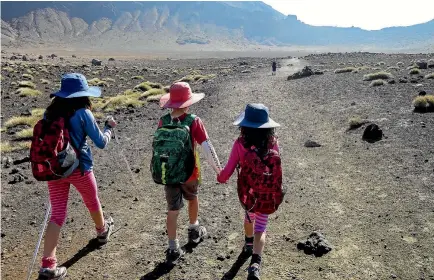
{"points": [[305, 72], [422, 64], [96, 62], [372, 133]]}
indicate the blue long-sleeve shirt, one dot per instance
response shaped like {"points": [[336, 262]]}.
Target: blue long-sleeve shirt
{"points": [[83, 124]]}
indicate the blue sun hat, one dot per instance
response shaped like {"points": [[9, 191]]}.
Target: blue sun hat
{"points": [[256, 116], [75, 85]]}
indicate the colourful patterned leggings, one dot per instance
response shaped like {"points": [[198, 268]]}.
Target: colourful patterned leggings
{"points": [[260, 221], [59, 193]]}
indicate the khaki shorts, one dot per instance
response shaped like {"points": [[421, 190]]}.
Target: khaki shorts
{"points": [[175, 193]]}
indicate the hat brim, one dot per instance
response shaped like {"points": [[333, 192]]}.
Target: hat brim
{"points": [[241, 121], [91, 92], [165, 101]]}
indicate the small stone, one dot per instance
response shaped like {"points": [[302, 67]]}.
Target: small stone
{"points": [[136, 199], [311, 144], [221, 257]]}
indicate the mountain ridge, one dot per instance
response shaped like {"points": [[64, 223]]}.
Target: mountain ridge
{"points": [[171, 24]]}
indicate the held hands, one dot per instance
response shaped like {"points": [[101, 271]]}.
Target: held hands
{"points": [[110, 122]]}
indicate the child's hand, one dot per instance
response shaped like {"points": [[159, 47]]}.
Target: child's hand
{"points": [[219, 179]]}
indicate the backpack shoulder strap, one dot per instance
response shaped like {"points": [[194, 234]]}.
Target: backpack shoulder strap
{"points": [[166, 119], [189, 119]]}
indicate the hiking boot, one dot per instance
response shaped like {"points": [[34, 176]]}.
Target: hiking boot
{"points": [[197, 234], [253, 272], [173, 256], [57, 273], [247, 251], [104, 237]]}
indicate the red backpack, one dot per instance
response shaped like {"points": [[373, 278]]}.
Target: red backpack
{"points": [[260, 182], [52, 155]]}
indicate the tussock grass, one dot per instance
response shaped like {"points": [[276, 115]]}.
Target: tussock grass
{"points": [[356, 122], [24, 134], [6, 147], [8, 69], [420, 103], [429, 76], [26, 84], [396, 68], [122, 101], [25, 120], [97, 82], [137, 78], [167, 89], [378, 75], [376, 83], [143, 86], [45, 82], [430, 100], [414, 71], [154, 98], [196, 78], [98, 115], [345, 70], [109, 80], [153, 92], [28, 92]]}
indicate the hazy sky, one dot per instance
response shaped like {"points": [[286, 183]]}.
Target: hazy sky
{"points": [[367, 14]]}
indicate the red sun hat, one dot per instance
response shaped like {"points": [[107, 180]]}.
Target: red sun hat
{"points": [[180, 96]]}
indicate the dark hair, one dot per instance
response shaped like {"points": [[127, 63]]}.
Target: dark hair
{"points": [[258, 137], [65, 107]]}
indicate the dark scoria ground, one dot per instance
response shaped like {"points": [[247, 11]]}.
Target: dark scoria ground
{"points": [[373, 202]]}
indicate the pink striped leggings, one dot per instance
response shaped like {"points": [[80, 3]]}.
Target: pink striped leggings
{"points": [[59, 193], [260, 221]]}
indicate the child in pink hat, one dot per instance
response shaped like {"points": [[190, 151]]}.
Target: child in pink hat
{"points": [[179, 99]]}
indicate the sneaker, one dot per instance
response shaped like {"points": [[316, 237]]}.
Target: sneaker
{"points": [[57, 273], [173, 256], [104, 237], [253, 271], [247, 251], [197, 234]]}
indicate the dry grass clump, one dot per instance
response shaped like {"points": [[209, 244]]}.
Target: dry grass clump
{"points": [[28, 77], [196, 78], [154, 98], [429, 76], [424, 104], [98, 115], [414, 71], [45, 82], [378, 75], [145, 86], [356, 122], [396, 68], [381, 63], [26, 84], [24, 134], [376, 83], [6, 147], [27, 92], [122, 101], [400, 64], [345, 70], [8, 69], [153, 92], [97, 82], [25, 120], [109, 80], [137, 78]]}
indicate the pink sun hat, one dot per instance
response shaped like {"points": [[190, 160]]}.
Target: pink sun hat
{"points": [[180, 96]]}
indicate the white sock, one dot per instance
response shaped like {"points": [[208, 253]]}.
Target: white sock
{"points": [[195, 225]]}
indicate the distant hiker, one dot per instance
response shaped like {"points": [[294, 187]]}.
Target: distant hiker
{"points": [[70, 107], [274, 68], [175, 162], [256, 153]]}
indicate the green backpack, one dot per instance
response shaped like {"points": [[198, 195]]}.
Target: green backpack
{"points": [[172, 151]]}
